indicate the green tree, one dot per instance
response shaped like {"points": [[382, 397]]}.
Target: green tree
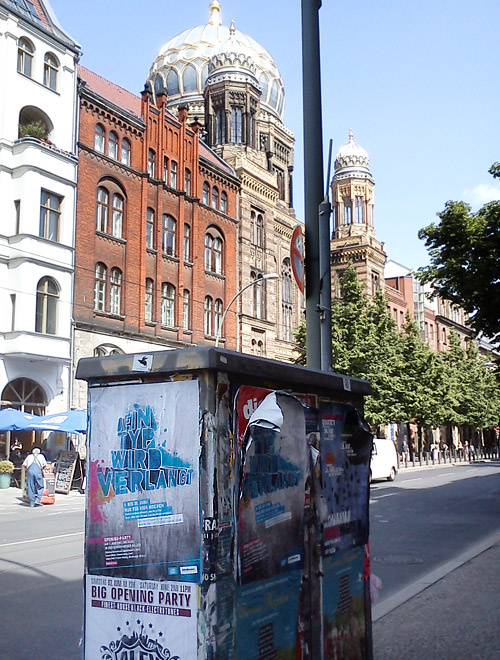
{"points": [[365, 344], [465, 269]]}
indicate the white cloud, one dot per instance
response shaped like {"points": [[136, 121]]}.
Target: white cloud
{"points": [[481, 194]]}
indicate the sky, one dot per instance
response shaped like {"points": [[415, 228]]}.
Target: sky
{"points": [[416, 80]]}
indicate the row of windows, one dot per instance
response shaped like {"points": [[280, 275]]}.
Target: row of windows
{"points": [[213, 199], [359, 211], [108, 299], [25, 58], [112, 146], [109, 220], [121, 151]]}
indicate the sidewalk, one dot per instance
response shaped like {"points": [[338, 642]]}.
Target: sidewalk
{"points": [[457, 617], [13, 496]]}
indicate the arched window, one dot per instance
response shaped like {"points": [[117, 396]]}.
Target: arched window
{"points": [[50, 215], [187, 181], [115, 291], [347, 211], [113, 145], [220, 127], [189, 82], [223, 202], [25, 51], [273, 99], [99, 137], [47, 296], [150, 229], [218, 309], [125, 152], [168, 304], [107, 349], [173, 174], [100, 287], [102, 209], [207, 316], [149, 300], [257, 295], [237, 125], [169, 226], [172, 82], [186, 303], [117, 216], [256, 229], [264, 86], [286, 298], [215, 197], [187, 242], [50, 69], [25, 395], [358, 210], [34, 123], [206, 193], [165, 170], [151, 163], [213, 252]]}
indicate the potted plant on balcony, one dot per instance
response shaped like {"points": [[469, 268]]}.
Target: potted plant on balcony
{"points": [[6, 470], [35, 129]]}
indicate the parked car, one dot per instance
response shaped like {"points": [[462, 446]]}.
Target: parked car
{"points": [[384, 460]]}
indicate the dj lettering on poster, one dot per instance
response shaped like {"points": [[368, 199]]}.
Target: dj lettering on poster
{"points": [[143, 494], [127, 619]]}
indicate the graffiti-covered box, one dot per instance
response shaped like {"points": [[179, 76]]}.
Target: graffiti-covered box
{"points": [[227, 509]]}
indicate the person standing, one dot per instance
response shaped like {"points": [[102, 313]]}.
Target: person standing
{"points": [[34, 462]]}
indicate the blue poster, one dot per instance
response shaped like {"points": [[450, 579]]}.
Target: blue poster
{"points": [[345, 462], [267, 618], [344, 625], [143, 495]]}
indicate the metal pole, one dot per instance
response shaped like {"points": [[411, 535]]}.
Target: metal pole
{"points": [[313, 173]]}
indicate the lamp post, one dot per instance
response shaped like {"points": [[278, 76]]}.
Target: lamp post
{"points": [[269, 276]]}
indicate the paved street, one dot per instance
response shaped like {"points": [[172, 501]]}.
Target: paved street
{"points": [[435, 543], [41, 568]]}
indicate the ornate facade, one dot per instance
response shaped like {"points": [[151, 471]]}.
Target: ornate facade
{"points": [[233, 87], [354, 239]]}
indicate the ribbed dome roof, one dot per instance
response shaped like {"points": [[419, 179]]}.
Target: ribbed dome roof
{"points": [[182, 64], [352, 160]]}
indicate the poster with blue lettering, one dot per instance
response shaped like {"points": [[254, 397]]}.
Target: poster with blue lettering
{"points": [[345, 462], [143, 516], [141, 619], [273, 465]]}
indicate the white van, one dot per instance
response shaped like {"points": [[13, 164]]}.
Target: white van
{"points": [[384, 461]]}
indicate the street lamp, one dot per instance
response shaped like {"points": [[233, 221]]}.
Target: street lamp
{"points": [[269, 276]]}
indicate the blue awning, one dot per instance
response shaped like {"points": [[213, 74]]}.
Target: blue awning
{"points": [[73, 421]]}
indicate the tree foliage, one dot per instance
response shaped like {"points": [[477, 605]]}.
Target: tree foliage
{"points": [[464, 249], [410, 383]]}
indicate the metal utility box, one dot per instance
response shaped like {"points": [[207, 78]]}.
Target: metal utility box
{"points": [[227, 509]]}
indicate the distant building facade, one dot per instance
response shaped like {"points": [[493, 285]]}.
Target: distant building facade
{"points": [[38, 173]]}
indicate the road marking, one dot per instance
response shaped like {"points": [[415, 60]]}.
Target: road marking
{"points": [[416, 479], [388, 495], [443, 474], [43, 538]]}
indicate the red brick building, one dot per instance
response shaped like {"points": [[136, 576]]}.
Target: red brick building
{"points": [[156, 235]]}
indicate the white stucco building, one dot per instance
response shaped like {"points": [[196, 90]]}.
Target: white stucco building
{"points": [[38, 172]]}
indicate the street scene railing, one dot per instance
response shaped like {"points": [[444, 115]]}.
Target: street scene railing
{"points": [[427, 458]]}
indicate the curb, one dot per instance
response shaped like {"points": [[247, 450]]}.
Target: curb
{"points": [[392, 602]]}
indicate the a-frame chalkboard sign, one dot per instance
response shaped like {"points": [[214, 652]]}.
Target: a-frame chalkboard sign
{"points": [[65, 471]]}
